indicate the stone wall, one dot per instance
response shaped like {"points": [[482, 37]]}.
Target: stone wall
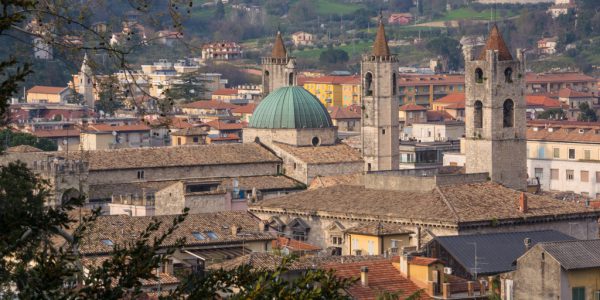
{"points": [[295, 137], [412, 181], [580, 228], [314, 170], [537, 278], [170, 200]]}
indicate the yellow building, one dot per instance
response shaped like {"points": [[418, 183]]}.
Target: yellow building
{"points": [[422, 271], [47, 94], [189, 136], [377, 239], [334, 90]]}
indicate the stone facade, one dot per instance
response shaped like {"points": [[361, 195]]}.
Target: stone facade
{"points": [[380, 127], [542, 277], [495, 118], [292, 136], [278, 72]]}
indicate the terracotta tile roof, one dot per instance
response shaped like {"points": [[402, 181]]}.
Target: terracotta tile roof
{"points": [[159, 157], [105, 191], [323, 154], [229, 137], [570, 134], [225, 92], [331, 79], [117, 128], [496, 42], [452, 204], [23, 149], [263, 183], [380, 46], [210, 104], [293, 245], [192, 131], [379, 229], [452, 98], [120, 228], [569, 93], [544, 101], [455, 106], [412, 107], [56, 133], [41, 89], [246, 109], [558, 77], [278, 47], [423, 261], [383, 276], [436, 116], [221, 125], [172, 122], [339, 113]]}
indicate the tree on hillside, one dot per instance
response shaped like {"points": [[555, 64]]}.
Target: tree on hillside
{"points": [[11, 139], [219, 11], [186, 88], [333, 56], [110, 97], [586, 113], [447, 48], [302, 11]]}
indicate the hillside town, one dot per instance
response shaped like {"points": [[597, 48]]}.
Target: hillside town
{"points": [[417, 151]]}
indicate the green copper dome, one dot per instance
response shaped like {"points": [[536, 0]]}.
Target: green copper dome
{"points": [[290, 107]]}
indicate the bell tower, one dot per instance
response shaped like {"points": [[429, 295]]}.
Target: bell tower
{"points": [[279, 69], [495, 124], [380, 131], [86, 86]]}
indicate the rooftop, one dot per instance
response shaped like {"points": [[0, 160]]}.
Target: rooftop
{"points": [[340, 113], [41, 89], [117, 128], [569, 93], [22, 149], [210, 104], [159, 157], [323, 154], [576, 254], [278, 47], [331, 79], [380, 46], [454, 205], [246, 109], [293, 245], [496, 42], [191, 131], [225, 92], [379, 229], [118, 229], [412, 107]]}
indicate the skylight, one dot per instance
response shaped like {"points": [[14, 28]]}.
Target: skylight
{"points": [[199, 236], [107, 242], [212, 235]]}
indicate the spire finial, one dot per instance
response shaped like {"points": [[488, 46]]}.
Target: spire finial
{"points": [[278, 47]]}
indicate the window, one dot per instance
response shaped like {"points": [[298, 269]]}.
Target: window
{"points": [[597, 177], [585, 194], [554, 174], [382, 131], [578, 293], [369, 167], [570, 175], [508, 75], [479, 75], [371, 247], [291, 79], [354, 244], [539, 173], [178, 141], [395, 244], [394, 83], [299, 235], [368, 84], [541, 152], [212, 235], [195, 139], [278, 169], [199, 236], [556, 152], [316, 141], [585, 175], [509, 113], [571, 153], [140, 174], [337, 240], [107, 242], [587, 154], [478, 114]]}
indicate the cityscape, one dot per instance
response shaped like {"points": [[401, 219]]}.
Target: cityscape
{"points": [[300, 149]]}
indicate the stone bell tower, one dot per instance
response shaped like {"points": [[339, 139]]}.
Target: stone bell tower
{"points": [[86, 86], [279, 69], [380, 132], [495, 106]]}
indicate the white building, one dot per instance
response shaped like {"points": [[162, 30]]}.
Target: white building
{"points": [[302, 38]]}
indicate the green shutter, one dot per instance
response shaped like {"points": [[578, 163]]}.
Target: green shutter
{"points": [[578, 293]]}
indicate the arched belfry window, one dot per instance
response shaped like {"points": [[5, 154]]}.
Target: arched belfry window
{"points": [[478, 114], [291, 79], [266, 80], [508, 113], [479, 75], [508, 75], [394, 84], [368, 84]]}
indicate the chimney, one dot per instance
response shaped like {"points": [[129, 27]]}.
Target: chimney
{"points": [[527, 242], [523, 203], [364, 278], [404, 258], [235, 230]]}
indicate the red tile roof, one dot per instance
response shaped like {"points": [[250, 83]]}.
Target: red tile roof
{"points": [[455, 106], [412, 107], [496, 42], [452, 98], [56, 133], [220, 125], [438, 115], [225, 92], [569, 93], [343, 113], [541, 100], [41, 89], [117, 128], [423, 261], [294, 245], [245, 109], [382, 276], [558, 77], [331, 79], [229, 137], [210, 104]]}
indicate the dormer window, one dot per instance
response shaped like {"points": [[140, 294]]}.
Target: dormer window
{"points": [[212, 235], [199, 236]]}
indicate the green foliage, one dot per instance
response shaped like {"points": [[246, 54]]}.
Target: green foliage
{"points": [[11, 139], [220, 11], [12, 73], [333, 56], [447, 48], [586, 113], [552, 114], [110, 97], [186, 88]]}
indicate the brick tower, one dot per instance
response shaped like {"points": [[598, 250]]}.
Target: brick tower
{"points": [[495, 123], [380, 133], [279, 69]]}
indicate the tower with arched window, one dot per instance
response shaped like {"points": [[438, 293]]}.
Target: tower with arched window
{"points": [[495, 106], [380, 134], [279, 69], [86, 85]]}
